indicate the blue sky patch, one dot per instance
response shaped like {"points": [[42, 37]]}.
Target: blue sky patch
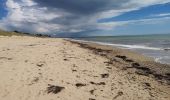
{"points": [[3, 11], [155, 11]]}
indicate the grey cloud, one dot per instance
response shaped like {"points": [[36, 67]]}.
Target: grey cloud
{"points": [[82, 14], [83, 7]]}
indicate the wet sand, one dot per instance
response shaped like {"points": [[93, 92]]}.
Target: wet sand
{"points": [[33, 68]]}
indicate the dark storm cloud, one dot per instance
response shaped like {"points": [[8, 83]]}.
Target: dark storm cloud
{"points": [[80, 15], [84, 7]]}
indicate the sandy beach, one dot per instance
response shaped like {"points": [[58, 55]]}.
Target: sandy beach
{"points": [[33, 68]]}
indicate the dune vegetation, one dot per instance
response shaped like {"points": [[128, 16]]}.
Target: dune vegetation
{"points": [[5, 33]]}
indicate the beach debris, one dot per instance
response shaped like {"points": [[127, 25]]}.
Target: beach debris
{"points": [[114, 60], [148, 84], [92, 91], [51, 80], [74, 65], [104, 75], [101, 52], [100, 83], [144, 68], [32, 45], [77, 76], [108, 67], [122, 57], [158, 76], [143, 72], [9, 58], [80, 84], [129, 60], [135, 64], [88, 59], [54, 89], [6, 58], [40, 64], [73, 70], [120, 93], [65, 59], [7, 49], [84, 70], [167, 49], [109, 62], [92, 83], [91, 99], [167, 76], [35, 80]]}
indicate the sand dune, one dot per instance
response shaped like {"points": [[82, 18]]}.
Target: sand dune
{"points": [[34, 68]]}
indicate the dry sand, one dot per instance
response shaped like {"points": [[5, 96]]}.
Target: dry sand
{"points": [[34, 68]]}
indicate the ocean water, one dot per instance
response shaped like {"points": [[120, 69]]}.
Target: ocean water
{"points": [[150, 45]]}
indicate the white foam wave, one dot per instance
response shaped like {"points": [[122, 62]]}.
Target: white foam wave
{"points": [[122, 45], [162, 59], [136, 47]]}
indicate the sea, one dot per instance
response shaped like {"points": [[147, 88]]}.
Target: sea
{"points": [[155, 46]]}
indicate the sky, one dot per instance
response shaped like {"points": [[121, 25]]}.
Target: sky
{"points": [[86, 17]]}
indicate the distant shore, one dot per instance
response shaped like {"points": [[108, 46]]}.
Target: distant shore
{"points": [[33, 68]]}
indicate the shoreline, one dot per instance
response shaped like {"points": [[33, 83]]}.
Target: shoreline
{"points": [[129, 48], [144, 65], [33, 68]]}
